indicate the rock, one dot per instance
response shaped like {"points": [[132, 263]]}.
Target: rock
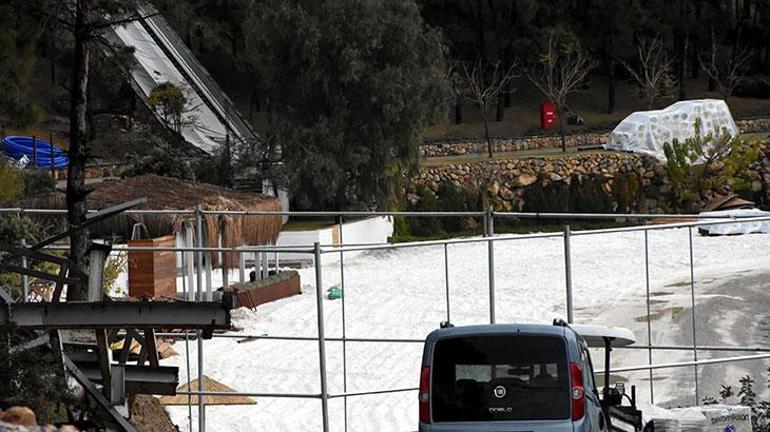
{"points": [[506, 193], [554, 177], [548, 167], [20, 416], [525, 179], [756, 186], [649, 174], [494, 188]]}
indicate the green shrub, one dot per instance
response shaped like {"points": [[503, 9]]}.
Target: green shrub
{"points": [[455, 199], [11, 181], [708, 162], [425, 226], [38, 182], [33, 378], [162, 160]]}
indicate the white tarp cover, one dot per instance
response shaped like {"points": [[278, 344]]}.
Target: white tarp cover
{"points": [[736, 227], [201, 126], [714, 418], [703, 418], [647, 131]]}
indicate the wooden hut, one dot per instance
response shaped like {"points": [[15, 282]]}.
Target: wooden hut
{"points": [[166, 193]]}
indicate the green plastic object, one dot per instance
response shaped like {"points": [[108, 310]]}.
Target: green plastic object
{"points": [[334, 293]]}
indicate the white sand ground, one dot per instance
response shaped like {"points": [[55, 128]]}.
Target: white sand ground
{"points": [[400, 294]]}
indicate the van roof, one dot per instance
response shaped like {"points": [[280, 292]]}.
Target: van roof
{"points": [[499, 328]]}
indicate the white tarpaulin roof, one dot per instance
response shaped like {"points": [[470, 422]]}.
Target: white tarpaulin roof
{"points": [[647, 131], [736, 227], [201, 126]]}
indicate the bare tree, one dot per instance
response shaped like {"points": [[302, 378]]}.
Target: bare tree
{"points": [[456, 90], [653, 73], [728, 69], [562, 67], [483, 83]]}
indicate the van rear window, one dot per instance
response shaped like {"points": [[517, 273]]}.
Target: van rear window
{"points": [[500, 377]]}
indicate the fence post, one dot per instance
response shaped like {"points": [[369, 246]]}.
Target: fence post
{"points": [[199, 297], [344, 341], [649, 321], [24, 278], [321, 337], [568, 273], [446, 280], [490, 225], [241, 267], [201, 388], [692, 298], [199, 253]]}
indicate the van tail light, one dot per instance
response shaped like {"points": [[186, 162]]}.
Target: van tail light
{"points": [[578, 392], [425, 395]]}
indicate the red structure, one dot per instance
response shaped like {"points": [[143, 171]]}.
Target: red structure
{"points": [[548, 115]]}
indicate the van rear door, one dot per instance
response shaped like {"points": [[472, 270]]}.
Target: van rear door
{"points": [[500, 382]]}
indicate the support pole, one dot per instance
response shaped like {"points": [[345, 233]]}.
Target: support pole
{"points": [[692, 304], [344, 341], [241, 267], [265, 268], [24, 278], [321, 337], [201, 388], [490, 225], [257, 266], [199, 253], [446, 280], [209, 278], [649, 318], [189, 242], [568, 273]]}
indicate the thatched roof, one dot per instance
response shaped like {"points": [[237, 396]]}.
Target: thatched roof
{"points": [[208, 385], [166, 193]]}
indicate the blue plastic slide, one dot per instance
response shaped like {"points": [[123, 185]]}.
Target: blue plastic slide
{"points": [[36, 152]]}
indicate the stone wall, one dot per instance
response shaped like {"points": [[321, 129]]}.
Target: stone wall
{"points": [[430, 149], [630, 182], [445, 148]]}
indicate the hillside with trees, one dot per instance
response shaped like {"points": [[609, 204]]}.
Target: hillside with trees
{"points": [[342, 92]]}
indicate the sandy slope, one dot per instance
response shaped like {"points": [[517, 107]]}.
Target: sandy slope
{"points": [[400, 293]]}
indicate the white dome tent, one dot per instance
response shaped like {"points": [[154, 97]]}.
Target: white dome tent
{"points": [[647, 131]]}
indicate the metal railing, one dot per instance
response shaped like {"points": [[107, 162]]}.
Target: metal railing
{"points": [[316, 251]]}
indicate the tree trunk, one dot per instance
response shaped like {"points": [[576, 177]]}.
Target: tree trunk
{"points": [[611, 74], [500, 109], [459, 110], [560, 113], [681, 40], [508, 95], [76, 189], [694, 65], [486, 128]]}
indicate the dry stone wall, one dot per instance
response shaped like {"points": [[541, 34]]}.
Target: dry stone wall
{"points": [[444, 148], [629, 182]]}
